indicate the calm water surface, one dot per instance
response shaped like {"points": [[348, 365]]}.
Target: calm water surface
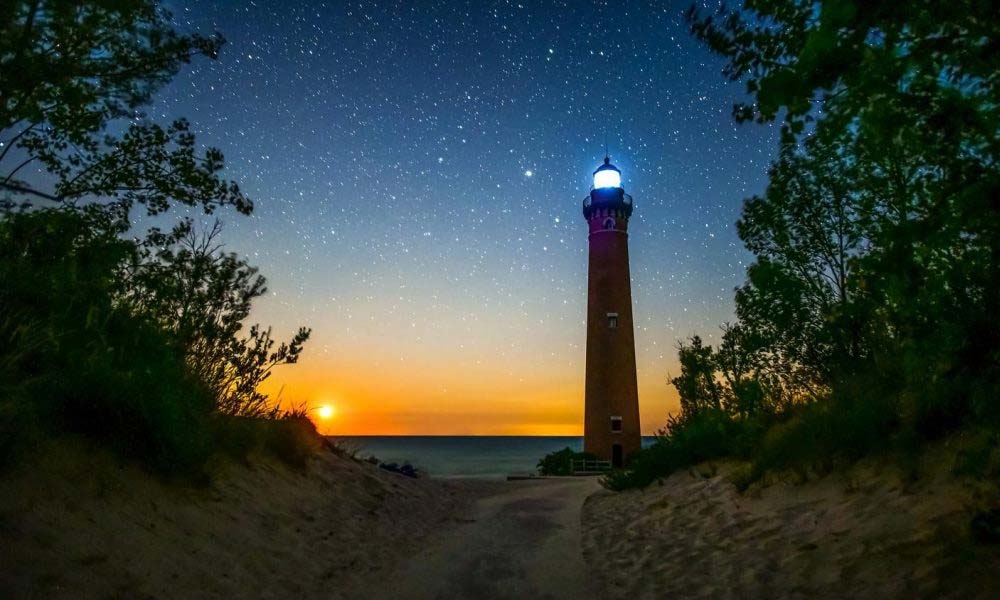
{"points": [[465, 456]]}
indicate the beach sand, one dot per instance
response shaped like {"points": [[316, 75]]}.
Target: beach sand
{"points": [[521, 540], [869, 532], [76, 523]]}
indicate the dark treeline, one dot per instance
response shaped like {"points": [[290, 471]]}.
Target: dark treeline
{"points": [[135, 339], [868, 320]]}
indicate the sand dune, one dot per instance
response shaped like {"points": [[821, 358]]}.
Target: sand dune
{"points": [[77, 524], [866, 533]]}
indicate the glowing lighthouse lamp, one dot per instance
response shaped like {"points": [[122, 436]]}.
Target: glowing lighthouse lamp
{"points": [[607, 175]]}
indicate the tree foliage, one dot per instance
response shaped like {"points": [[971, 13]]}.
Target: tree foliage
{"points": [[74, 77], [697, 385], [877, 239], [870, 304], [139, 342], [201, 296]]}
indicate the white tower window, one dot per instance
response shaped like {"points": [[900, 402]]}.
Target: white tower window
{"points": [[612, 320]]}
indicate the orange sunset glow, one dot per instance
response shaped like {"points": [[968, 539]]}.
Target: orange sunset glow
{"points": [[511, 381]]}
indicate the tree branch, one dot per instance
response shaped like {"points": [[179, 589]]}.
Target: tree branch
{"points": [[18, 168], [16, 187]]}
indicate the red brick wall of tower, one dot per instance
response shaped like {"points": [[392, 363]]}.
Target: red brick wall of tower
{"points": [[611, 388]]}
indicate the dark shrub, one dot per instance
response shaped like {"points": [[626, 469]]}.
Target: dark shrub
{"points": [[824, 433], [560, 462], [707, 435], [985, 527], [74, 359], [293, 439]]}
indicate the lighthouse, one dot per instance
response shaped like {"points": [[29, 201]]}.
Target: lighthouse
{"points": [[611, 413]]}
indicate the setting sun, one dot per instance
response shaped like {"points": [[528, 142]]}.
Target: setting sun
{"points": [[325, 412]]}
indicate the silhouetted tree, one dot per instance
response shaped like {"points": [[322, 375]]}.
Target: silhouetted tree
{"points": [[799, 299], [878, 239], [137, 342], [201, 295], [871, 301], [697, 384], [69, 69]]}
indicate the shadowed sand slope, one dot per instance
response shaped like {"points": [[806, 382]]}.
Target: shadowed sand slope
{"points": [[867, 533], [75, 524]]}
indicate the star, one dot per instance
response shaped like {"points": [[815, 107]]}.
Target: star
{"points": [[381, 147]]}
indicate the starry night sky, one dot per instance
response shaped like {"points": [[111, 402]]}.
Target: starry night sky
{"points": [[418, 170]]}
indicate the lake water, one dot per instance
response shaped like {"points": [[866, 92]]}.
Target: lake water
{"points": [[465, 456]]}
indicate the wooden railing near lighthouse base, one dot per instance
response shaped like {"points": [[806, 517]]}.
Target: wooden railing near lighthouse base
{"points": [[589, 466]]}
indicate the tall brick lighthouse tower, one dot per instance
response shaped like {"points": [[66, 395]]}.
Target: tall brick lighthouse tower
{"points": [[611, 420]]}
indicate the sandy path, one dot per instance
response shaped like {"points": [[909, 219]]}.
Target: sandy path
{"points": [[523, 541]]}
